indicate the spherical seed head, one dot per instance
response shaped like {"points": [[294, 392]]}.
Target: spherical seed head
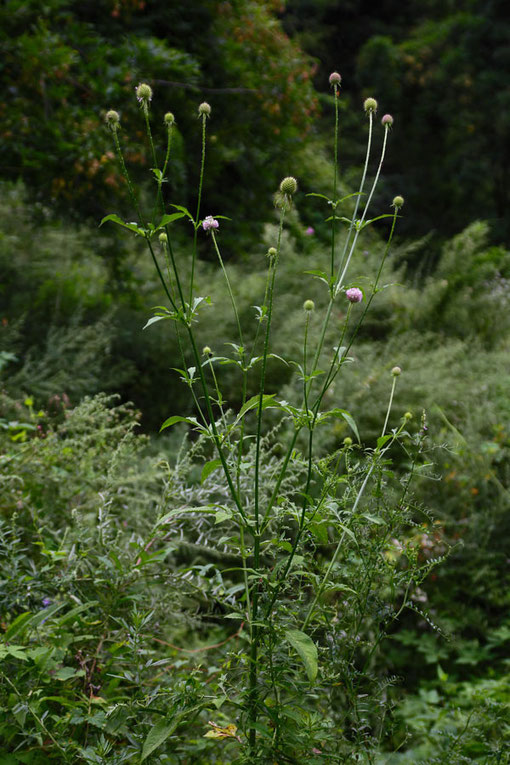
{"points": [[398, 202], [169, 119], [271, 253], [204, 110], [163, 238], [408, 416], [308, 305], [288, 186], [144, 92], [354, 295], [370, 105], [335, 79], [396, 371], [387, 121], [112, 119], [206, 351], [347, 441]]}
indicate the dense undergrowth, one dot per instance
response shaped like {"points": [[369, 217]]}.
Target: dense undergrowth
{"points": [[126, 584]]}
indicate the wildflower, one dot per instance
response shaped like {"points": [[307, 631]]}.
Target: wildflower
{"points": [[335, 79], [206, 351], [398, 202], [370, 105], [163, 238], [144, 93], [347, 441], [396, 371], [209, 223], [310, 231], [204, 110], [169, 119], [112, 119], [308, 305], [387, 121], [271, 253], [354, 295], [408, 416], [288, 186]]}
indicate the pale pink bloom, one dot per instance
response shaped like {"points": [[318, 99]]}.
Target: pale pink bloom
{"points": [[209, 223], [310, 231], [354, 295]]}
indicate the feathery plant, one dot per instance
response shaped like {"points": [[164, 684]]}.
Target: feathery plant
{"points": [[311, 555]]}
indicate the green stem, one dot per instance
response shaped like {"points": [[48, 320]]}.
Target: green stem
{"points": [[197, 217]]}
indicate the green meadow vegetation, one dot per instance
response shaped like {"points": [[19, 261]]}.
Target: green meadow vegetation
{"points": [[254, 422]]}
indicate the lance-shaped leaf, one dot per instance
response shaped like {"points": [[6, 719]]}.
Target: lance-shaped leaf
{"points": [[306, 649]]}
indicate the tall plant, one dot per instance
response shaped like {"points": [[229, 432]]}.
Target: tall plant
{"points": [[309, 548]]}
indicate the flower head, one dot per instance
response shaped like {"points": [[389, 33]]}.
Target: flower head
{"points": [[398, 202], [308, 305], [396, 371], [209, 223], [288, 186], [387, 121], [144, 93], [354, 295], [112, 119], [169, 119], [204, 110], [335, 79], [370, 105], [310, 231]]}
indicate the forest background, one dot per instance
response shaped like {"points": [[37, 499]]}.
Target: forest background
{"points": [[73, 297]]}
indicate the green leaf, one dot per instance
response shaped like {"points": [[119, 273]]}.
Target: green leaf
{"points": [[208, 468], [382, 440], [307, 650], [157, 736], [349, 420], [166, 219], [18, 625], [154, 319], [253, 402], [176, 418], [131, 226], [223, 514]]}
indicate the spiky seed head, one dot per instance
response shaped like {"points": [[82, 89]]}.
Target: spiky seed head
{"points": [[144, 93], [204, 110], [335, 79], [288, 186], [169, 119], [387, 121], [398, 202], [396, 371], [112, 119], [308, 305], [370, 105]]}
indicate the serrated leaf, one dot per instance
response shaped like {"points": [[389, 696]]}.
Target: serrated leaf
{"points": [[253, 402], [208, 468], [166, 219], [131, 226], [154, 319], [382, 440], [306, 649], [157, 736], [176, 418], [223, 514]]}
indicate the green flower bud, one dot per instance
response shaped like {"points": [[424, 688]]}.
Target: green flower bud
{"points": [[408, 416], [308, 305], [370, 105], [271, 253], [288, 186], [347, 441], [163, 238], [204, 110], [169, 119], [206, 351], [396, 371], [398, 202], [112, 119], [143, 93]]}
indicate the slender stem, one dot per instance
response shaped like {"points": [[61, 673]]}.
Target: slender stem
{"points": [[335, 186], [197, 217], [229, 288], [359, 224], [389, 405]]}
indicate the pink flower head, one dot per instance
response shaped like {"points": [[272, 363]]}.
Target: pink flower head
{"points": [[209, 223], [310, 231], [354, 295]]}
